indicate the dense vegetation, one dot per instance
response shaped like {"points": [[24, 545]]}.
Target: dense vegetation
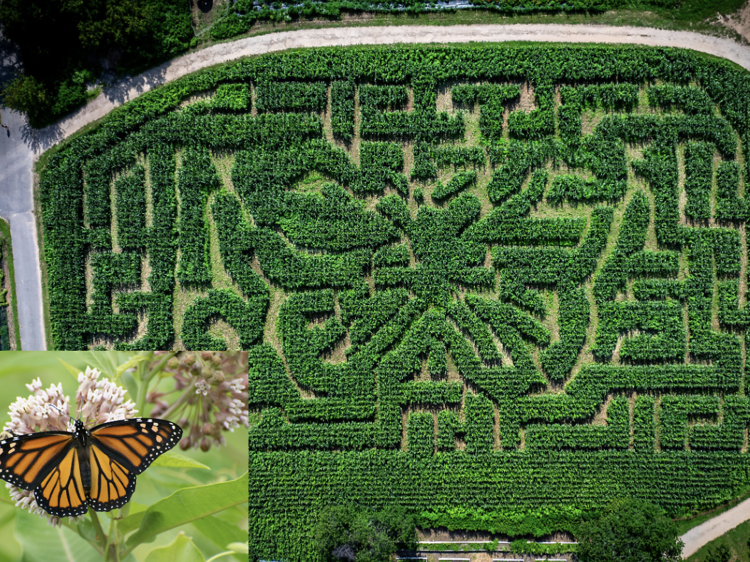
{"points": [[245, 13], [721, 553], [4, 330], [630, 530], [462, 274], [66, 45], [356, 534]]}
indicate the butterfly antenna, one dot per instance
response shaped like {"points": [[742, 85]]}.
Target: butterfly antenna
{"points": [[59, 410]]}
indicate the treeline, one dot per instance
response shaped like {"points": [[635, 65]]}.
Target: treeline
{"points": [[67, 47]]}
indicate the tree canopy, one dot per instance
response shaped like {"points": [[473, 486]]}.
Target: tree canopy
{"points": [[352, 534], [65, 43], [630, 530]]}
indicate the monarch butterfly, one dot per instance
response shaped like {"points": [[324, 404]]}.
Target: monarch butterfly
{"points": [[71, 471]]}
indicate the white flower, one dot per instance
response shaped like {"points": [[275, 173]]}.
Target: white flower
{"points": [[202, 387], [34, 413], [101, 401]]}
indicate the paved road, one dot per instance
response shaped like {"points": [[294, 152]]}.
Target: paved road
{"points": [[17, 205], [712, 529]]}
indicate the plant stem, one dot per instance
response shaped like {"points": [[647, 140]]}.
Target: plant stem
{"points": [[160, 365], [140, 402], [101, 537], [113, 537], [180, 401], [220, 554], [141, 367]]}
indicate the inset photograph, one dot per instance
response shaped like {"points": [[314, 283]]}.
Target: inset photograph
{"points": [[114, 456]]}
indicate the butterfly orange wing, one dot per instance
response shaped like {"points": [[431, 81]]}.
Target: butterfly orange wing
{"points": [[111, 483], [62, 492], [26, 459], [50, 464], [121, 449]]}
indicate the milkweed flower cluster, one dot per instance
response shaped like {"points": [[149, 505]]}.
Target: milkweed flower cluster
{"points": [[98, 401], [32, 414], [213, 398], [101, 401]]}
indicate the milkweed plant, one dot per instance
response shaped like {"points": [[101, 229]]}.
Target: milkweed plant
{"points": [[206, 394]]}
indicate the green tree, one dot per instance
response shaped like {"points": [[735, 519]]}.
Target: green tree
{"points": [[348, 533], [111, 24], [27, 95], [76, 28], [630, 530], [61, 40]]}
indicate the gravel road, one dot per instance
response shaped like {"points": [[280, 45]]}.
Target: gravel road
{"points": [[712, 529]]}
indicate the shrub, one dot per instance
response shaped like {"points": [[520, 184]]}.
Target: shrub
{"points": [[629, 531], [27, 95], [720, 553], [358, 534]]}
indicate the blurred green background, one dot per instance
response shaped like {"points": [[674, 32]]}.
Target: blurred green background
{"points": [[210, 534]]}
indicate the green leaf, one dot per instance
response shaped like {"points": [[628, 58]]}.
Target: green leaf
{"points": [[132, 362], [174, 460], [188, 505], [219, 531], [97, 361], [181, 550], [131, 385], [87, 530], [130, 523], [40, 541], [71, 369], [107, 361]]}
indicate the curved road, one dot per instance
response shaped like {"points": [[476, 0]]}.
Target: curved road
{"points": [[342, 36], [19, 152], [712, 529]]}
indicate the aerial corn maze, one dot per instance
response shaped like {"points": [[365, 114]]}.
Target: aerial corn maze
{"points": [[497, 286]]}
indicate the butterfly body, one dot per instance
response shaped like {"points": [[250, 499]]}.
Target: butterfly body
{"points": [[70, 471]]}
